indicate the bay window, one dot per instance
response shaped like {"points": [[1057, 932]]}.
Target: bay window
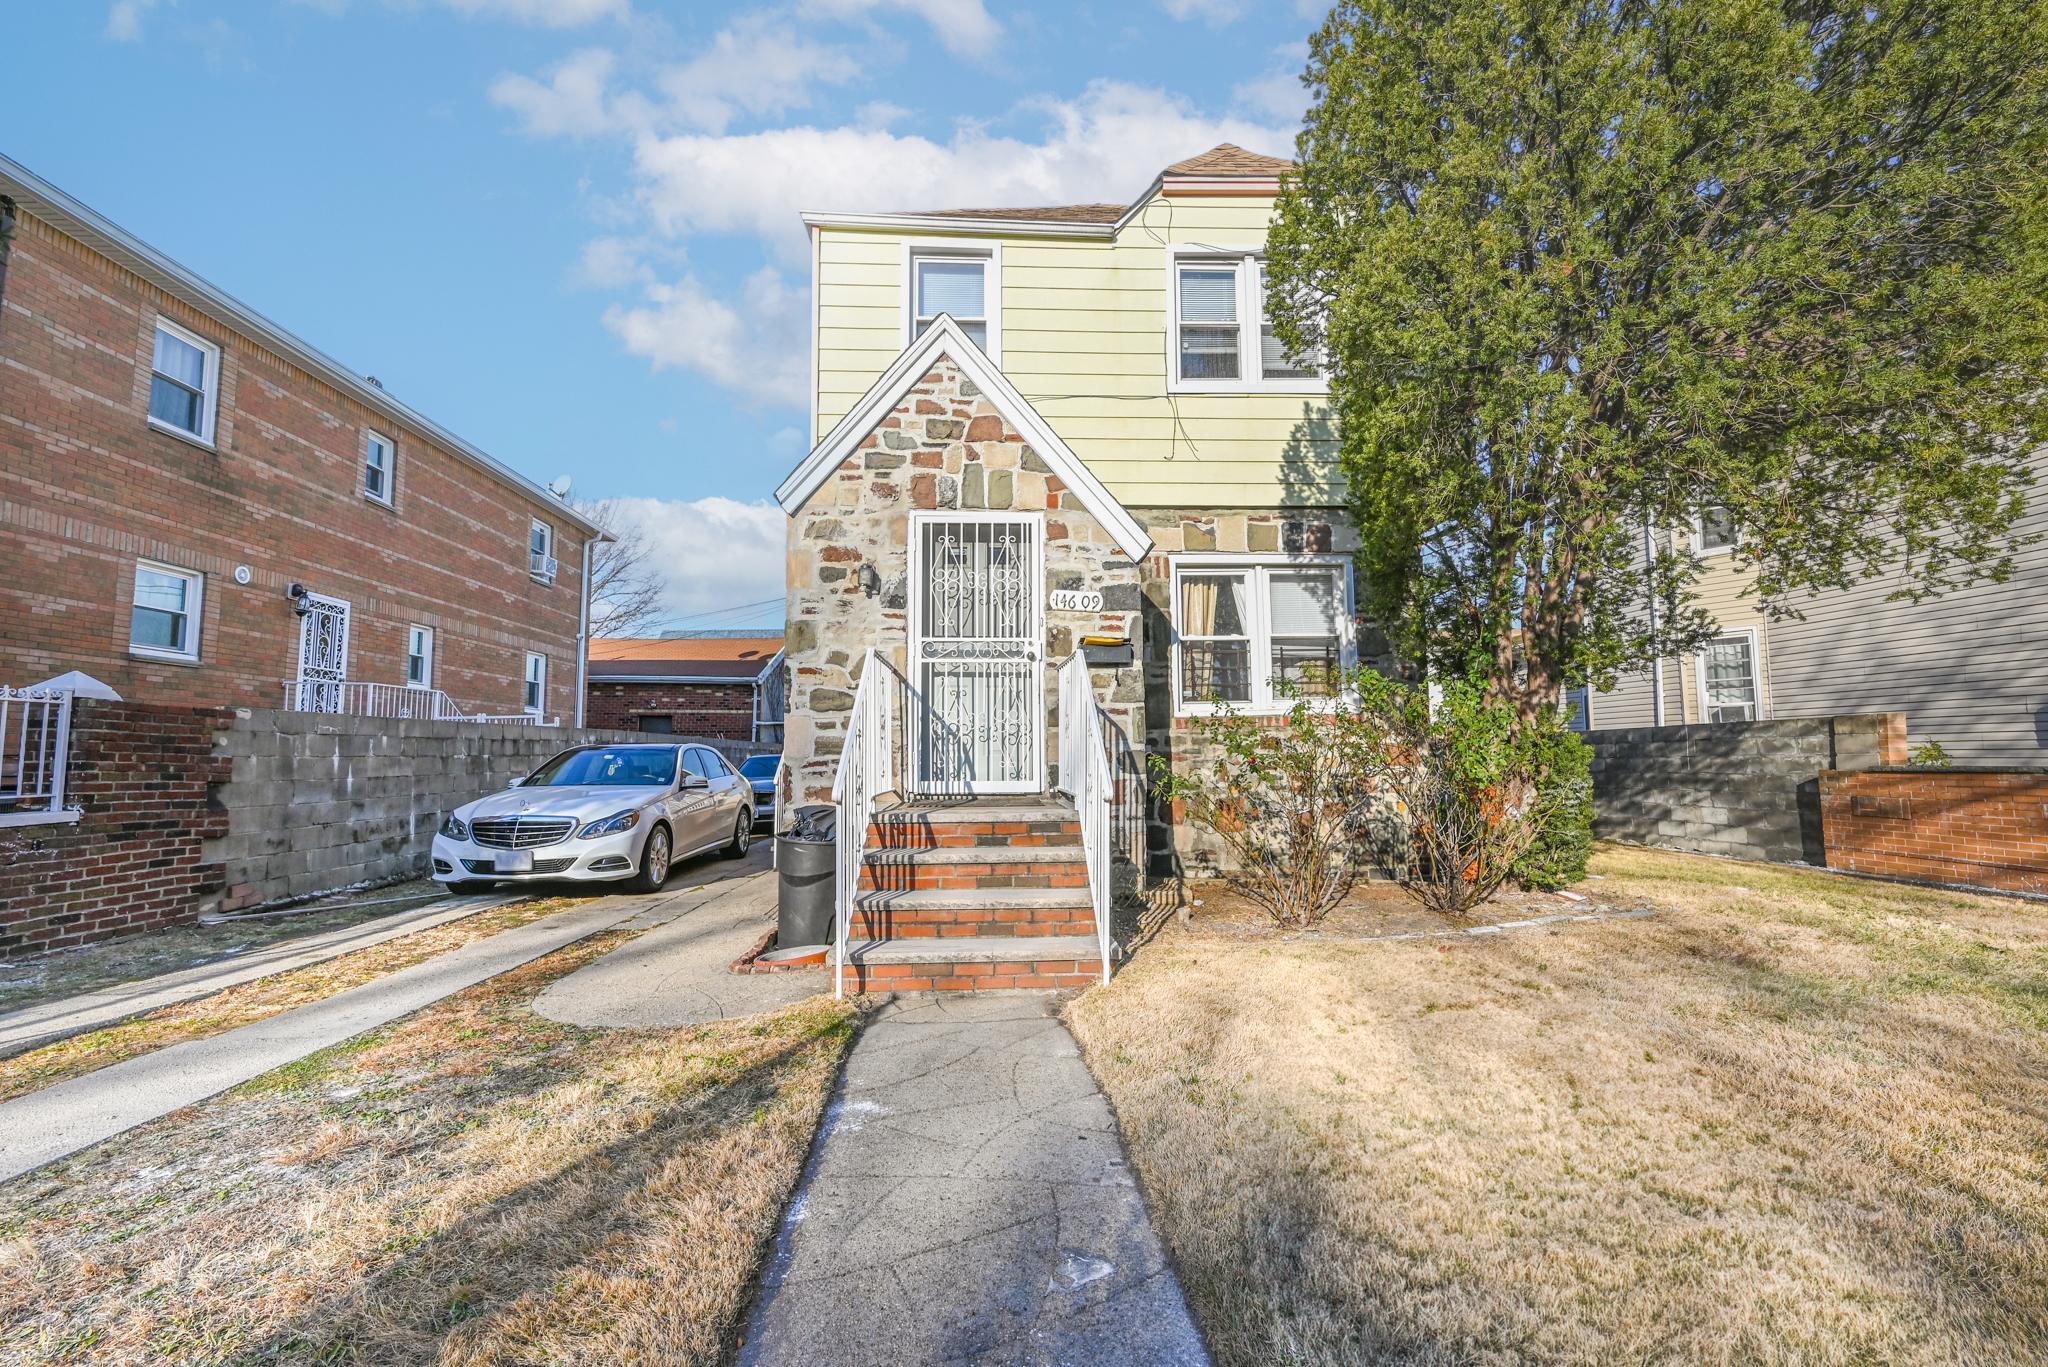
{"points": [[1257, 633]]}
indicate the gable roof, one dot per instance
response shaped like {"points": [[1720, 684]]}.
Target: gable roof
{"points": [[1228, 159], [742, 659], [944, 338]]}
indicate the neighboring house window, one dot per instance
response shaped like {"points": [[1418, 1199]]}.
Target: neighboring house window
{"points": [[1713, 530], [1578, 709], [1222, 340], [658, 726], [380, 460], [165, 621], [419, 657], [540, 546], [961, 284], [1258, 635], [1729, 689], [184, 386], [536, 683]]}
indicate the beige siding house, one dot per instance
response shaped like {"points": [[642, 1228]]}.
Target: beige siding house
{"points": [[1969, 669]]}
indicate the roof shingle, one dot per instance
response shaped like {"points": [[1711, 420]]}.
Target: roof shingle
{"points": [[737, 657], [1228, 159]]}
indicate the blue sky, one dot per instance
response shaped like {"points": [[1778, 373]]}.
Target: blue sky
{"points": [[567, 228]]}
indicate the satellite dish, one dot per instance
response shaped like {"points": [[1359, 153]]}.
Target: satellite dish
{"points": [[560, 488]]}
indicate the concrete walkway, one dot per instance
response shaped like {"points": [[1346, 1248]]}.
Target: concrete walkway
{"points": [[967, 1201], [678, 973], [46, 1022], [60, 1120]]}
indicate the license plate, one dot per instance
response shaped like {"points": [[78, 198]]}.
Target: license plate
{"points": [[515, 861]]}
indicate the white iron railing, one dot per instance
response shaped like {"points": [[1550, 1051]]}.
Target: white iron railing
{"points": [[871, 764], [35, 752], [1085, 776], [359, 698]]}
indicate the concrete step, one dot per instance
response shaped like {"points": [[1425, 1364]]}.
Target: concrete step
{"points": [[982, 963], [949, 912], [977, 822], [975, 866]]}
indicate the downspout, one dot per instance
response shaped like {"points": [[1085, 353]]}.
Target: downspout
{"points": [[1657, 663], [583, 632]]}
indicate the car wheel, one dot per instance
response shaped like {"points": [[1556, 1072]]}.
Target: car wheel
{"points": [[654, 862], [462, 886], [742, 836]]}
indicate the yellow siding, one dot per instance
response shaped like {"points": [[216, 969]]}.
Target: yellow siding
{"points": [[1084, 327], [1720, 589]]}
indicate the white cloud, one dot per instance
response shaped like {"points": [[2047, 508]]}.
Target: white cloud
{"points": [[757, 65], [124, 20], [1208, 11], [964, 26], [1279, 94], [758, 346], [574, 101], [712, 553], [544, 13], [610, 263], [1106, 145]]}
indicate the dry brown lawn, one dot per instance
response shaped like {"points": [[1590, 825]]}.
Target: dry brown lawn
{"points": [[473, 1184], [253, 1001], [1797, 1117]]}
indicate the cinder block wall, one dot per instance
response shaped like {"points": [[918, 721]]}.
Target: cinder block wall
{"points": [[1745, 789], [317, 802], [1982, 827], [143, 778]]}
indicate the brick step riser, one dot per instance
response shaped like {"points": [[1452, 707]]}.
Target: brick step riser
{"points": [[892, 925], [957, 835], [969, 878], [984, 977]]}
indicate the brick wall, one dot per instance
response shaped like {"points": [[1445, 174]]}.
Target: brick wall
{"points": [[1982, 827], [145, 778], [87, 487], [723, 710], [1745, 789]]}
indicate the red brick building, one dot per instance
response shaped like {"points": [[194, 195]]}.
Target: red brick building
{"points": [[198, 507], [727, 687]]}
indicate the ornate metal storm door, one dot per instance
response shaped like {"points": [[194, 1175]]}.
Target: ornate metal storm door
{"points": [[323, 653], [975, 638]]}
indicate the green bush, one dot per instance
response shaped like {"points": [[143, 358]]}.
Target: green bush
{"points": [[1557, 856]]}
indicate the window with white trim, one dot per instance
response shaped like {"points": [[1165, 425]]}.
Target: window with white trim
{"points": [[955, 283], [1729, 688], [380, 466], [184, 382], [164, 621], [1712, 531], [1223, 341], [536, 696], [1259, 635], [419, 657], [540, 552]]}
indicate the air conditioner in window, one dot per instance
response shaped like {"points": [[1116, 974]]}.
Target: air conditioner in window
{"points": [[545, 566]]}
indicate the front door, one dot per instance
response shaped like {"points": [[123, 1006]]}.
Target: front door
{"points": [[975, 637], [323, 653]]}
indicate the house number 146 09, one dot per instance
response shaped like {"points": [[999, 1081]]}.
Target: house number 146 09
{"points": [[1076, 600]]}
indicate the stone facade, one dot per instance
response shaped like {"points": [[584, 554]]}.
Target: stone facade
{"points": [[944, 446]]}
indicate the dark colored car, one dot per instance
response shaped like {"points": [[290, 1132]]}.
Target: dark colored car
{"points": [[760, 771]]}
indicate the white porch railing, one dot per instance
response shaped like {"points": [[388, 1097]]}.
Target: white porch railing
{"points": [[359, 698], [1085, 776], [35, 754], [872, 763]]}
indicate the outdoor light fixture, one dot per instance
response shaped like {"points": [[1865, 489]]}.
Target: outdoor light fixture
{"points": [[870, 581]]}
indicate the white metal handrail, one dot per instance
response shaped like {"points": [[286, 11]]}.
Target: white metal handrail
{"points": [[868, 767], [402, 702], [35, 749], [1085, 777]]}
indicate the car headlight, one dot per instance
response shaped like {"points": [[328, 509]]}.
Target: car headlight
{"points": [[455, 828], [612, 825]]}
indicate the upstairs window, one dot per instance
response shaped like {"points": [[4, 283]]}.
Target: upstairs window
{"points": [[184, 384], [419, 657], [540, 552], [380, 460], [165, 620], [1222, 341], [955, 285], [1713, 531]]}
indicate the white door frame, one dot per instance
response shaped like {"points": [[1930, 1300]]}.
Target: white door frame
{"points": [[331, 690], [1034, 608]]}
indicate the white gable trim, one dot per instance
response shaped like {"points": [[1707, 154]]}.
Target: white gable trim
{"points": [[945, 339]]}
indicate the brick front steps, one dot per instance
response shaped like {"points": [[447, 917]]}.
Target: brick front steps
{"points": [[985, 893], [983, 963]]}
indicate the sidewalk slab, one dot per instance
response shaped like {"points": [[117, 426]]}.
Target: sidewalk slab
{"points": [[47, 1022], [968, 1200]]}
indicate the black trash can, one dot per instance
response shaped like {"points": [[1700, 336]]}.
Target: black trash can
{"points": [[807, 877]]}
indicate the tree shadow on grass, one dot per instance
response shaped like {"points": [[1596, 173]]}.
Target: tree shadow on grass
{"points": [[532, 1238]]}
